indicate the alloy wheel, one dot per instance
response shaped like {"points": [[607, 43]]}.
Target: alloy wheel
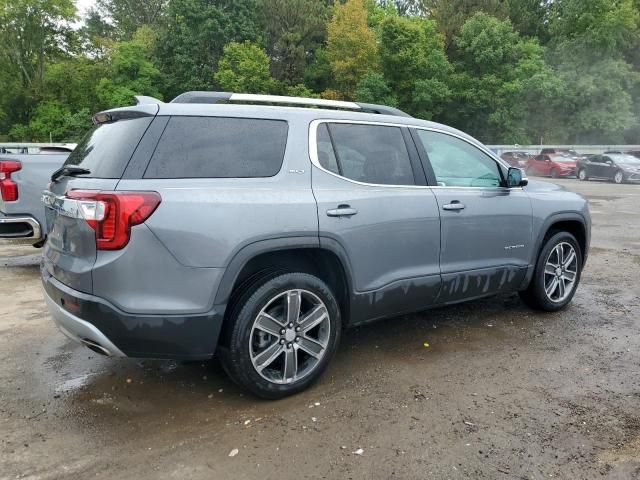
{"points": [[289, 337], [618, 177], [560, 272]]}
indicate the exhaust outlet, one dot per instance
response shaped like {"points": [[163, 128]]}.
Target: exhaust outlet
{"points": [[96, 347]]}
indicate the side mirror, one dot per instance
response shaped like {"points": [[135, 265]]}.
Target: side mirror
{"points": [[515, 178]]}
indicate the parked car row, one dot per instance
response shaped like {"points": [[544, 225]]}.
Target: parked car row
{"points": [[613, 165]]}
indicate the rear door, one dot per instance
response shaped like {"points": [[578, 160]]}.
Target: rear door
{"points": [[486, 239], [70, 251], [373, 203]]}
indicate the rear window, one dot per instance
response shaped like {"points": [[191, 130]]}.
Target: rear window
{"points": [[219, 147], [107, 148]]}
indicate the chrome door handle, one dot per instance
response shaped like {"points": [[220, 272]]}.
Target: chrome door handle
{"points": [[342, 211], [455, 205]]}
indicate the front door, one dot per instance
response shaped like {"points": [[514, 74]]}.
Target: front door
{"points": [[486, 228], [375, 206]]}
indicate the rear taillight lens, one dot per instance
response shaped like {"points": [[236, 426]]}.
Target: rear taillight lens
{"points": [[112, 214], [8, 188]]}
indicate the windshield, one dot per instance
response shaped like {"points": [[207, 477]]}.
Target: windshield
{"points": [[626, 159]]}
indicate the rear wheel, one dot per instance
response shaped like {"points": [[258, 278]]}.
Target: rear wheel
{"points": [[285, 331], [582, 175], [529, 171], [557, 274], [618, 177]]}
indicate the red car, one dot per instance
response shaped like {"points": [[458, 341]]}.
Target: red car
{"points": [[516, 159], [552, 165]]}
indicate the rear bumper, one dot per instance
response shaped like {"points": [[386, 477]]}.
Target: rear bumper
{"points": [[95, 323], [21, 229]]}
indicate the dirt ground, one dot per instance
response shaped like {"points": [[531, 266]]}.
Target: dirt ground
{"points": [[500, 392]]}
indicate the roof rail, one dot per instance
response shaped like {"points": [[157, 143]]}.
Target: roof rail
{"points": [[219, 97]]}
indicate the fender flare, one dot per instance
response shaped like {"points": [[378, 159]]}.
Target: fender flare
{"points": [[248, 252], [542, 231]]}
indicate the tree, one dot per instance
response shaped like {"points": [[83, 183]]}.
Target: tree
{"points": [[53, 120], [244, 67], [294, 29], [193, 36], [374, 89], [131, 72], [450, 15], [502, 86], [351, 46], [127, 16], [414, 64], [594, 47], [31, 33]]}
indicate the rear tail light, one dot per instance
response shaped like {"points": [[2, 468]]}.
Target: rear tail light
{"points": [[8, 188], [112, 214]]}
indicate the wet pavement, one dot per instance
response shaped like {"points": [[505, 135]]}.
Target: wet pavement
{"points": [[500, 392]]}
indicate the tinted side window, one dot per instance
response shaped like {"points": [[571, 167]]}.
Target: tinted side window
{"points": [[219, 147], [106, 149], [371, 154], [458, 163]]}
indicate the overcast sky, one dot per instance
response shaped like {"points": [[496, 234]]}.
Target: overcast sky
{"points": [[84, 5]]}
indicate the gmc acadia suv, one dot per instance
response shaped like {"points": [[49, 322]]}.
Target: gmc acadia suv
{"points": [[217, 224]]}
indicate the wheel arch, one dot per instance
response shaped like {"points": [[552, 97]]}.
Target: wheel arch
{"points": [[301, 254], [571, 222]]}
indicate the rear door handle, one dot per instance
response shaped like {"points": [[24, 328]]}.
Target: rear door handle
{"points": [[454, 205], [342, 211]]}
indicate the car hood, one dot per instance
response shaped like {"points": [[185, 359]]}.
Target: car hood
{"points": [[629, 168], [538, 186]]}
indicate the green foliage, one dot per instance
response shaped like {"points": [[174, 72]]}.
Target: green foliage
{"points": [[351, 46], [193, 36], [244, 67], [53, 120], [503, 70], [374, 89], [127, 16], [414, 63], [131, 72], [502, 83], [294, 29]]}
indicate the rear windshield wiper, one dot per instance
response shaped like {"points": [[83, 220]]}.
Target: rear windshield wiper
{"points": [[70, 170]]}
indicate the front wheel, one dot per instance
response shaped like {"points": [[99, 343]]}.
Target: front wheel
{"points": [[618, 177], [285, 330], [554, 173], [582, 175], [556, 275]]}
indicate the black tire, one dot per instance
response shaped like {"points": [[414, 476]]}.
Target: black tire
{"points": [[535, 295], [554, 173], [235, 352], [582, 175]]}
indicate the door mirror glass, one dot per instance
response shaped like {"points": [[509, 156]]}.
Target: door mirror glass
{"points": [[515, 178]]}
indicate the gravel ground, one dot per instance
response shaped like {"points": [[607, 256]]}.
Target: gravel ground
{"points": [[500, 392]]}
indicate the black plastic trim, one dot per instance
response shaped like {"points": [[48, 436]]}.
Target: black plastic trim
{"points": [[188, 337]]}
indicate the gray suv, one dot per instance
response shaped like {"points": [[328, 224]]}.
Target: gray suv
{"points": [[258, 227]]}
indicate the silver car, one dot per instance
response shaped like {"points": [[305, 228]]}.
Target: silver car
{"points": [[256, 228]]}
